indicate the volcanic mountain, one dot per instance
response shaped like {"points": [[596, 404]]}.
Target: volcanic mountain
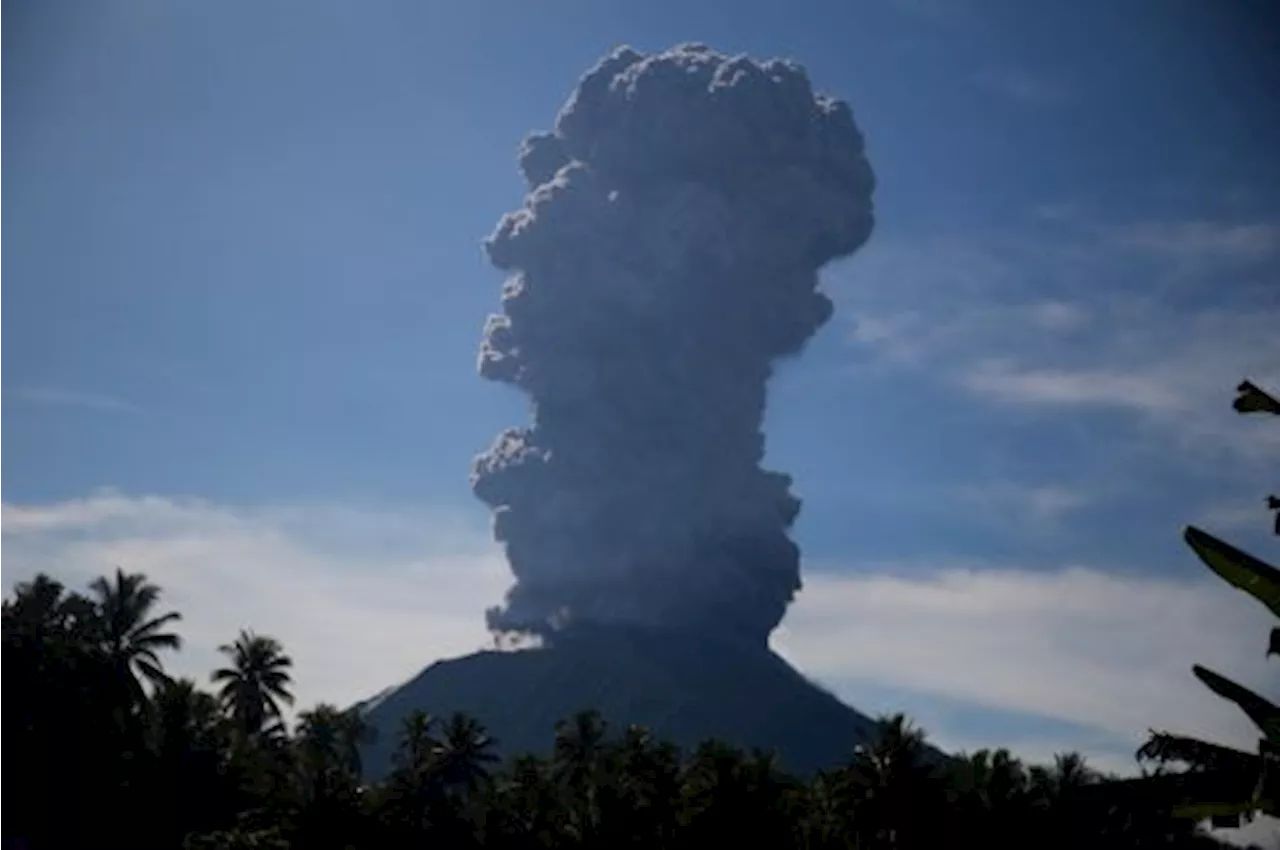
{"points": [[665, 259], [682, 688]]}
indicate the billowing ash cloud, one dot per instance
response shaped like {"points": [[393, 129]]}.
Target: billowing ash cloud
{"points": [[665, 256]]}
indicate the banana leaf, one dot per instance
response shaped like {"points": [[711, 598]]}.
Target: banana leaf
{"points": [[1239, 569], [1163, 747], [1264, 713], [1227, 787], [1228, 815], [1252, 399]]}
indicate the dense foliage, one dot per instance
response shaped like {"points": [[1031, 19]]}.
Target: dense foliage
{"points": [[1223, 783], [106, 751]]}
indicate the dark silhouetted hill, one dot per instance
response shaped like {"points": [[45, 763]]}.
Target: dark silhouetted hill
{"points": [[684, 688]]}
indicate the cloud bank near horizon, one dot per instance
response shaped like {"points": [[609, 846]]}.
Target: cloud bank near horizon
{"points": [[1075, 657]]}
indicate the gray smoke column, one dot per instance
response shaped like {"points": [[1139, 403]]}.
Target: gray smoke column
{"points": [[666, 255]]}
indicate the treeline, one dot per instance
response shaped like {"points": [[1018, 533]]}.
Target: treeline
{"points": [[104, 750]]}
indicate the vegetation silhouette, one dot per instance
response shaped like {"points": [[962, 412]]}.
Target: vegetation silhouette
{"points": [[1224, 784], [100, 756]]}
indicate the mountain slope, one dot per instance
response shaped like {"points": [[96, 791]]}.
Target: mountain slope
{"points": [[682, 687]]}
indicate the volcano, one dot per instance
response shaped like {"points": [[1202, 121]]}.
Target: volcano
{"points": [[682, 688], [665, 259]]}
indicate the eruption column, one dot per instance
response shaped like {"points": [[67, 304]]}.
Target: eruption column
{"points": [[666, 256]]}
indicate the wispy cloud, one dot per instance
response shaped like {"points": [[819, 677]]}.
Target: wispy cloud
{"points": [[1156, 319], [1080, 645], [1031, 508], [1238, 515], [1004, 381], [1242, 242], [1107, 654], [360, 609], [1021, 85], [361, 596], [56, 397]]}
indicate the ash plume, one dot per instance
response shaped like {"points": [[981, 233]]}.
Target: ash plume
{"points": [[666, 255]]}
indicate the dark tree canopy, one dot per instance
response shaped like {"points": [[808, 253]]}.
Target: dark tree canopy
{"points": [[169, 765]]}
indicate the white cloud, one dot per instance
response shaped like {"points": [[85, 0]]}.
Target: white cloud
{"points": [[1073, 317], [1077, 645], [363, 597], [1243, 242], [1058, 315], [1238, 515], [1003, 380], [1026, 507], [57, 397]]}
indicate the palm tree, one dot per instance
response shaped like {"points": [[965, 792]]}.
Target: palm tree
{"points": [[406, 802], [188, 783], [637, 790], [433, 788], [1070, 771], [327, 774], [331, 738], [253, 688], [46, 627], [185, 717], [37, 605], [417, 745], [127, 633], [900, 789], [648, 769], [525, 804], [577, 764], [464, 753], [991, 792], [579, 748]]}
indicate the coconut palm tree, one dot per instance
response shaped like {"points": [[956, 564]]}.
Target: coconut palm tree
{"points": [[256, 683], [578, 761], [464, 753], [525, 805], [330, 738], [37, 606], [647, 775], [327, 774], [408, 802], [579, 749], [48, 630], [417, 743], [185, 718], [128, 635], [900, 788], [188, 786]]}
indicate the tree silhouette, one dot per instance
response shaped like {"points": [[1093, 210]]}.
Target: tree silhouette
{"points": [[204, 770], [1222, 783], [129, 636], [256, 684]]}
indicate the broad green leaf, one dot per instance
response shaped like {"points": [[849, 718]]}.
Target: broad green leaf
{"points": [[1239, 569], [1264, 713], [1164, 747], [1251, 399], [1222, 814]]}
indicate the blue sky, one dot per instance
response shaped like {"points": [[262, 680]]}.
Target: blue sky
{"points": [[246, 289]]}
